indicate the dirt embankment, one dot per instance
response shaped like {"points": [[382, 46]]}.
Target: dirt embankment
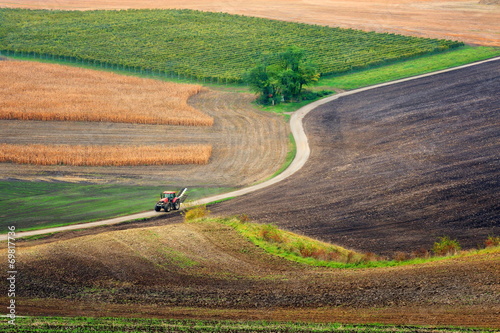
{"points": [[468, 21], [394, 168], [161, 269]]}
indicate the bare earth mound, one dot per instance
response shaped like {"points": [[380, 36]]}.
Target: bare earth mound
{"points": [[468, 21], [186, 267], [394, 168]]}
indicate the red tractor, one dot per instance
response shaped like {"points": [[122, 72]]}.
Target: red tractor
{"points": [[171, 200]]}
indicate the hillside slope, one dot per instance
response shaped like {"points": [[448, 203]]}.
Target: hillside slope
{"points": [[394, 168], [208, 264]]}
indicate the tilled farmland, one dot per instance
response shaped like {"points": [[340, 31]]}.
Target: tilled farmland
{"points": [[394, 168], [206, 269]]}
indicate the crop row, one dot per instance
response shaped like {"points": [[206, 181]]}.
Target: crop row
{"points": [[195, 44], [80, 155]]}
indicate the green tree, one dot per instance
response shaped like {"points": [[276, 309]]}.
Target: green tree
{"points": [[282, 77], [446, 246], [263, 79]]}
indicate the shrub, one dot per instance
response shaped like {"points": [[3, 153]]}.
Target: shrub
{"points": [[446, 246], [492, 241], [195, 213], [306, 250], [244, 218], [350, 258], [271, 233], [369, 257], [400, 256], [421, 253]]}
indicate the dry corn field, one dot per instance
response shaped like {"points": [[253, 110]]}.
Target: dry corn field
{"points": [[79, 155], [248, 145], [37, 91]]}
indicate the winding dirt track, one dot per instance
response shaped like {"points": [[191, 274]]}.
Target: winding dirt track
{"points": [[283, 204]]}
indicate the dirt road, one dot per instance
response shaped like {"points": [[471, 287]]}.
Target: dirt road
{"points": [[279, 203]]}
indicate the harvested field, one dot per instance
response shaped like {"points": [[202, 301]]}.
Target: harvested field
{"points": [[37, 91], [104, 155], [471, 21], [247, 145], [176, 270], [394, 168]]}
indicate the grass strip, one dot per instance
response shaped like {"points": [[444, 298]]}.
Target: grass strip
{"points": [[109, 325], [408, 68], [38, 205], [310, 251]]}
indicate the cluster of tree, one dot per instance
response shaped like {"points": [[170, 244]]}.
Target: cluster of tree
{"points": [[281, 77]]}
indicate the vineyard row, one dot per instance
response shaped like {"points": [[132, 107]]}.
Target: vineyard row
{"points": [[202, 46]]}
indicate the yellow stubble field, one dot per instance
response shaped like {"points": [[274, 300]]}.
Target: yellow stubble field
{"points": [[38, 91], [34, 92]]}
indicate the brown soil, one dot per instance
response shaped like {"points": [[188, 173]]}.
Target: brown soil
{"points": [[248, 145], [394, 168], [473, 316], [469, 21], [176, 269]]}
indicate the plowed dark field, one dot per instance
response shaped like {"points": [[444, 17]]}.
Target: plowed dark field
{"points": [[394, 168]]}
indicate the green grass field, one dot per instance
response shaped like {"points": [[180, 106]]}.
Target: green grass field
{"points": [[390, 72], [408, 68], [109, 325], [37, 205], [199, 45]]}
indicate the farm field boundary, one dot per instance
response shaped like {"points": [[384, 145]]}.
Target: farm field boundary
{"points": [[59, 204], [302, 154]]}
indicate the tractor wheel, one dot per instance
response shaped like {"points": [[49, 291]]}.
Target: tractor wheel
{"points": [[157, 208], [177, 205], [168, 207]]}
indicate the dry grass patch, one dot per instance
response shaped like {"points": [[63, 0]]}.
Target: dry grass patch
{"points": [[37, 91], [79, 155]]}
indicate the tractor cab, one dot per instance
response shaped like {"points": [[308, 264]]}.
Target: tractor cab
{"points": [[167, 194]]}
